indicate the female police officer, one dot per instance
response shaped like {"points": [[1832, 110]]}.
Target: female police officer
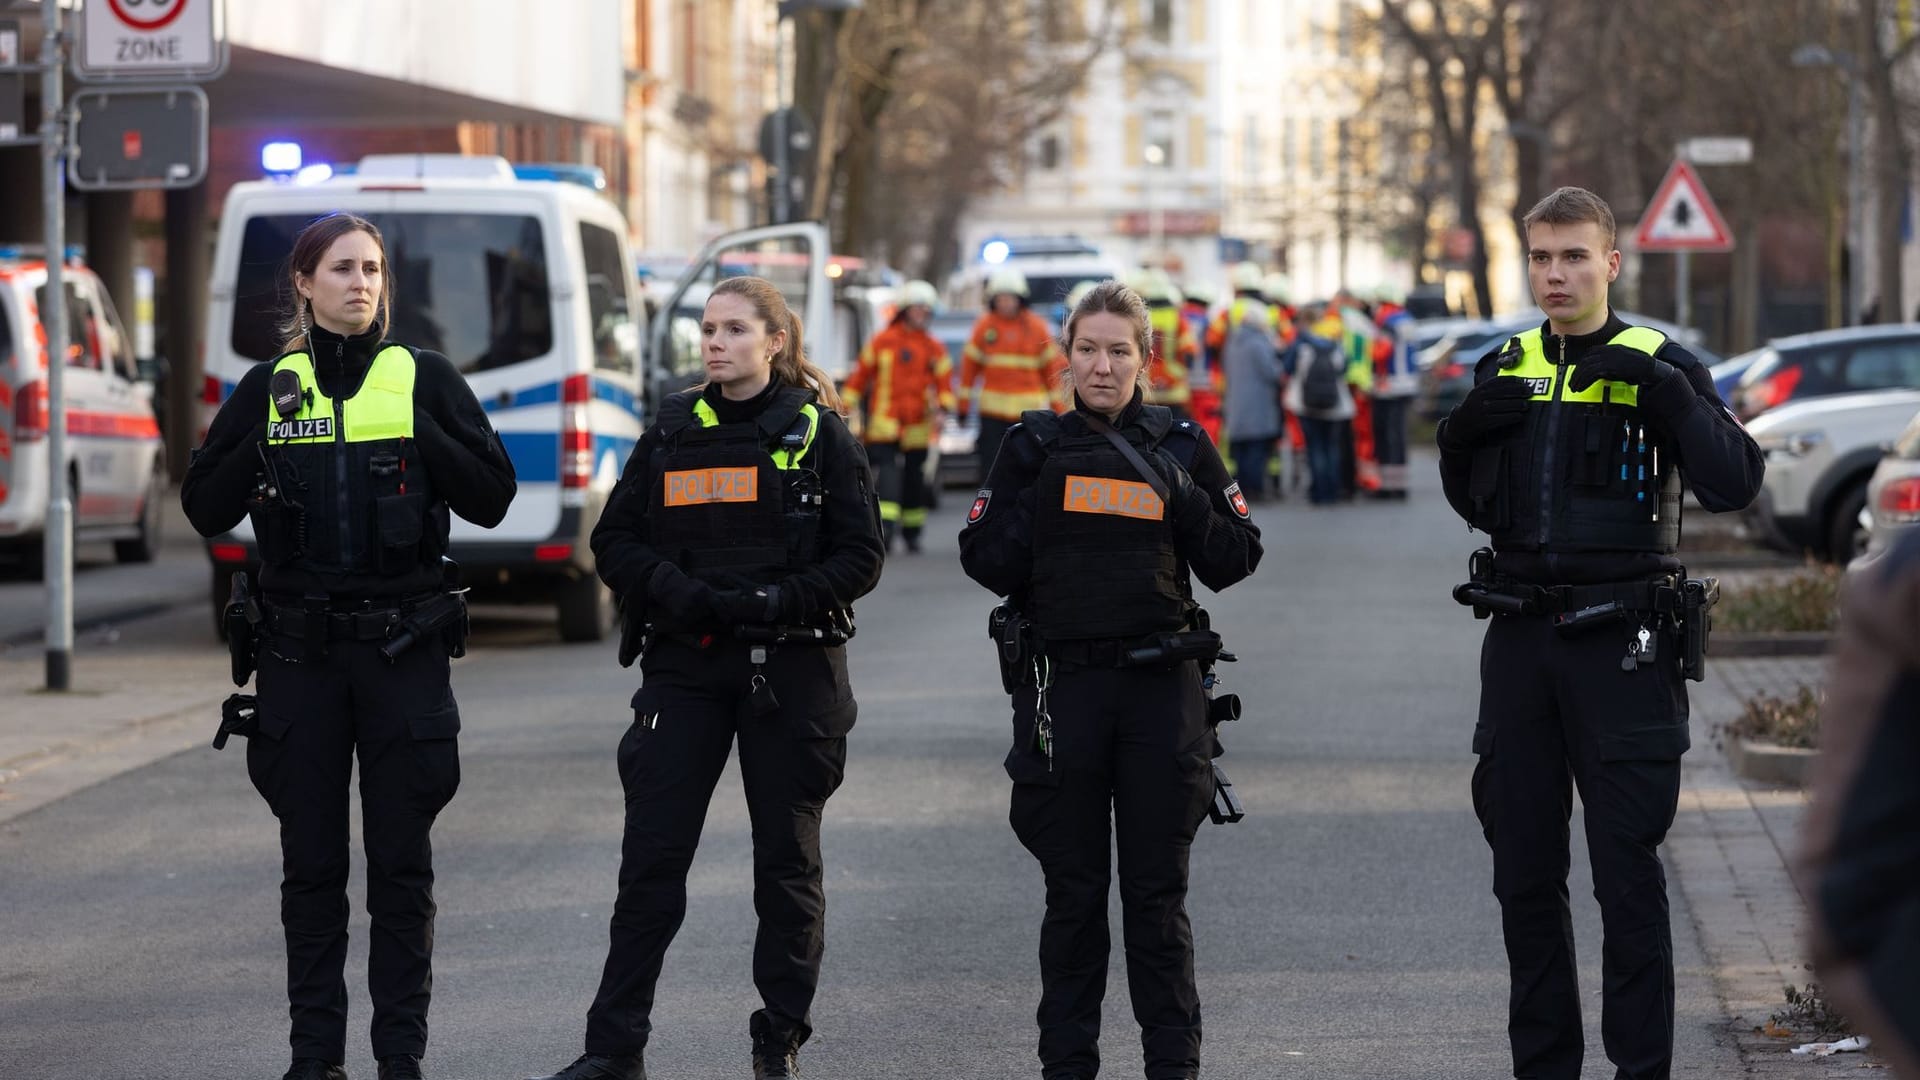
{"points": [[347, 451], [739, 536], [1074, 529]]}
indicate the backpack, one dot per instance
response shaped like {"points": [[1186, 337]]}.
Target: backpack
{"points": [[1320, 388]]}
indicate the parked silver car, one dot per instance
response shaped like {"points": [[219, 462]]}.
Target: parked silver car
{"points": [[1893, 496]]}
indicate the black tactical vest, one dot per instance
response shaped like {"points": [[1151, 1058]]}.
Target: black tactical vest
{"points": [[1104, 562], [367, 505], [736, 499], [1585, 472]]}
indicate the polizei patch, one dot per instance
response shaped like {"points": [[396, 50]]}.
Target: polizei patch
{"points": [[312, 427], [1104, 495], [980, 502], [1236, 500]]}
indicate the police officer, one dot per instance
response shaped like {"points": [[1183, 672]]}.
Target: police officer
{"points": [[347, 451], [1114, 722], [739, 537], [1570, 451]]}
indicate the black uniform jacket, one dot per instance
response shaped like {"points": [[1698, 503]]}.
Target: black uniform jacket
{"points": [[850, 528], [469, 467], [996, 547], [1717, 458], [1860, 863]]}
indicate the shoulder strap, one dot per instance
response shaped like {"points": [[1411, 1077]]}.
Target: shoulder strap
{"points": [[1133, 457]]}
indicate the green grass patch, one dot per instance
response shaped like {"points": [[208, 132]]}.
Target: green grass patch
{"points": [[1806, 600], [1788, 721]]}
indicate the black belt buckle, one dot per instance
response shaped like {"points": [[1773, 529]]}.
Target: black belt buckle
{"points": [[1593, 617]]}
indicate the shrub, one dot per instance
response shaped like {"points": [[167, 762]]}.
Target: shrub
{"points": [[1808, 600], [1793, 721]]}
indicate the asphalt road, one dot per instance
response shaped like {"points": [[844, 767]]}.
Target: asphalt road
{"points": [[1345, 929]]}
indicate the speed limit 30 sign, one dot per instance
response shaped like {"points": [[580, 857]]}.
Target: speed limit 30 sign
{"points": [[151, 40]]}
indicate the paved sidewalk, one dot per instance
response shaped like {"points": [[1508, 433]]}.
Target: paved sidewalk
{"points": [[1730, 849]]}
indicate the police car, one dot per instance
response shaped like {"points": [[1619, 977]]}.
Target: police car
{"points": [[116, 470], [523, 279]]}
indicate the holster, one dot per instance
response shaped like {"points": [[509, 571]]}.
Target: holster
{"points": [[445, 614], [1225, 808], [1012, 636], [242, 621], [1697, 598]]}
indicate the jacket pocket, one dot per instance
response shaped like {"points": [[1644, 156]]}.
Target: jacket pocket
{"points": [[398, 527]]}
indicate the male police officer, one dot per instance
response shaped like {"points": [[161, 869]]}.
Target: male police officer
{"points": [[1569, 452]]}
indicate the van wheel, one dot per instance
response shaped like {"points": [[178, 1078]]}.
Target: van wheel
{"points": [[586, 609], [142, 548]]}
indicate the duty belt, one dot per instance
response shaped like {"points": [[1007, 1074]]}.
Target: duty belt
{"points": [[352, 624], [1153, 650], [1659, 595]]}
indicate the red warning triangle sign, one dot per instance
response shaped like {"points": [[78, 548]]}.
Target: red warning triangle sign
{"points": [[1682, 216]]}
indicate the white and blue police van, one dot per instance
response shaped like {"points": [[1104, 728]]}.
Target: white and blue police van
{"points": [[523, 278]]}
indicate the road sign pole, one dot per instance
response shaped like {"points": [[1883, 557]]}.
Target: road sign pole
{"points": [[59, 535], [1682, 289]]}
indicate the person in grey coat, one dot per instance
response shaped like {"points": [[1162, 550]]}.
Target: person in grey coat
{"points": [[1252, 406]]}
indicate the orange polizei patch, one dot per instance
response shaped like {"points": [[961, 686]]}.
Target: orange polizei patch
{"points": [[1105, 495], [694, 487]]}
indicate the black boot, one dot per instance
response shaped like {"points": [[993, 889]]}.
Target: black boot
{"points": [[400, 1067], [602, 1067], [913, 540], [776, 1051], [315, 1069]]}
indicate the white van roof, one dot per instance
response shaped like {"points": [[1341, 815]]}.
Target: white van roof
{"points": [[434, 167]]}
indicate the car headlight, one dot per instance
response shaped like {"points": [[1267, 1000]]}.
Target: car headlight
{"points": [[1795, 444]]}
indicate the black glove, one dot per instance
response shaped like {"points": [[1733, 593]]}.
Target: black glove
{"points": [[1489, 408], [1185, 501], [1618, 363], [687, 601], [755, 606]]}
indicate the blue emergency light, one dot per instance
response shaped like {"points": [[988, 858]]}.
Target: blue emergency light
{"points": [[280, 158], [995, 252]]}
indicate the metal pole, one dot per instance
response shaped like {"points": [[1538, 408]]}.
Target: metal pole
{"points": [[781, 210], [1856, 198], [59, 535], [1682, 290]]}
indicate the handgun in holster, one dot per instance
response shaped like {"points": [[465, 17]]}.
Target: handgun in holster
{"points": [[241, 619], [1697, 598], [1480, 591], [1013, 646]]}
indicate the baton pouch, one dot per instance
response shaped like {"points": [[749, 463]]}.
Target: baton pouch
{"points": [[241, 620], [1697, 598], [1013, 646]]}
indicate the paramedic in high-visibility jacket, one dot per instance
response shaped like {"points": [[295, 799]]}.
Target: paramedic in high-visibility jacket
{"points": [[1570, 452], [348, 451], [737, 540]]}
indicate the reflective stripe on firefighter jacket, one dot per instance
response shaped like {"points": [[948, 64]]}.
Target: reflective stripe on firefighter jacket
{"points": [[903, 373], [1585, 471], [1168, 370], [1104, 561], [735, 500], [1021, 363], [353, 465]]}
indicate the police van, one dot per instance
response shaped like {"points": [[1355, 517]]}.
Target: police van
{"points": [[116, 470], [524, 280]]}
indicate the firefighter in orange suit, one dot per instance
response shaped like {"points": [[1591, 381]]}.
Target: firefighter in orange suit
{"points": [[1175, 348], [1013, 354], [905, 381]]}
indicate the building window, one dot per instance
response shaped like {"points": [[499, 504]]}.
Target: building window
{"points": [[1160, 20], [1289, 146], [1316, 148], [1046, 152], [1157, 135]]}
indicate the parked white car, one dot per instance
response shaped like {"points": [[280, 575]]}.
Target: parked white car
{"points": [[116, 473], [1820, 454], [1893, 496]]}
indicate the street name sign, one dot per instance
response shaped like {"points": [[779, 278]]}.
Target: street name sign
{"points": [[151, 40], [1682, 217]]}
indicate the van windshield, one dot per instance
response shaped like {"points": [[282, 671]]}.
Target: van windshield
{"points": [[472, 286]]}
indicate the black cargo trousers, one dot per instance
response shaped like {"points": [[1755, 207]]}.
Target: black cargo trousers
{"points": [[1131, 754], [1559, 713], [691, 707], [317, 711]]}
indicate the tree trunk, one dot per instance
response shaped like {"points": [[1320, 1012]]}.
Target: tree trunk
{"points": [[1892, 175]]}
